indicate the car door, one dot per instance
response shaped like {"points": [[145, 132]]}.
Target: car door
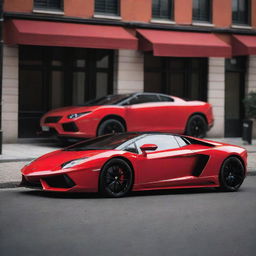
{"points": [[168, 165], [148, 114]]}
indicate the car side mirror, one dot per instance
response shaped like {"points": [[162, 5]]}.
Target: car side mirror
{"points": [[147, 147]]}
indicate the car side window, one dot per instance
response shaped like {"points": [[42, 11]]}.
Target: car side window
{"points": [[143, 98], [181, 141], [131, 148], [163, 141], [165, 98]]}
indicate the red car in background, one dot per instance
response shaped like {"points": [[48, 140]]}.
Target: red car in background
{"points": [[135, 112]]}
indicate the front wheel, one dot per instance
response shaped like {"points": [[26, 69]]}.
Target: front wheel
{"points": [[116, 178], [196, 126], [232, 174], [110, 126]]}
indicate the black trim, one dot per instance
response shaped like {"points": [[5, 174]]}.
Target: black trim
{"points": [[52, 119], [199, 142], [173, 27], [70, 127], [28, 184], [59, 181], [200, 164]]}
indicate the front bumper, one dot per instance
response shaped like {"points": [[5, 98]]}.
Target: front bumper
{"points": [[71, 181]]}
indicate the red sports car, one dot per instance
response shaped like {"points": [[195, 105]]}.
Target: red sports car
{"points": [[115, 164], [136, 112]]}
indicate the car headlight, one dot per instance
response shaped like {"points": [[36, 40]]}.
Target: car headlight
{"points": [[72, 163], [71, 116]]}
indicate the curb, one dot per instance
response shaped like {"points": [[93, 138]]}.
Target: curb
{"points": [[17, 160], [13, 184]]}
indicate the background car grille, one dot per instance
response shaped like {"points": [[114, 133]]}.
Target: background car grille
{"points": [[70, 127], [52, 119]]}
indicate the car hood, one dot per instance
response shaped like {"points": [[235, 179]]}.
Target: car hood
{"points": [[54, 160], [72, 110]]}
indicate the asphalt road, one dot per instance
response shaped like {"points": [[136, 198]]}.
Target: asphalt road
{"points": [[177, 222]]}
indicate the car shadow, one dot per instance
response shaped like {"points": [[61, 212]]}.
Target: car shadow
{"points": [[57, 195]]}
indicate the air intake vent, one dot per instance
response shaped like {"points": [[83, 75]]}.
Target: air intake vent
{"points": [[52, 119], [59, 181], [70, 127]]}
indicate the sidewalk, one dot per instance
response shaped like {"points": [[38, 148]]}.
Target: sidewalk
{"points": [[15, 156]]}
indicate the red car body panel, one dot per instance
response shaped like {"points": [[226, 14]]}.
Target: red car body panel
{"points": [[155, 116], [166, 169]]}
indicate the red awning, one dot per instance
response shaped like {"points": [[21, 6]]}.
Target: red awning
{"points": [[182, 44], [244, 45], [46, 33]]}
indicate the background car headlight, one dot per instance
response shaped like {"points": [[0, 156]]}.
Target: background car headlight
{"points": [[71, 116], [73, 163]]}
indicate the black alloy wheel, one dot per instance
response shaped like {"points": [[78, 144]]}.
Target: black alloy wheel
{"points": [[116, 178], [232, 174], [196, 126], [110, 126]]}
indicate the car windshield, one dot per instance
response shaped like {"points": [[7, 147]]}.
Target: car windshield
{"points": [[110, 141], [108, 100]]}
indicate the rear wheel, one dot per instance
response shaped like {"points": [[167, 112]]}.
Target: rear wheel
{"points": [[116, 178], [110, 126], [196, 126], [232, 174]]}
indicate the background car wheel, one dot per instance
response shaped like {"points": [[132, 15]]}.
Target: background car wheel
{"points": [[232, 174], [116, 178], [196, 126], [110, 126]]}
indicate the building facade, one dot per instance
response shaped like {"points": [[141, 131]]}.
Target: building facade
{"points": [[65, 52]]}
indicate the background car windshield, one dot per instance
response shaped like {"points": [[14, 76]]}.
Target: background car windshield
{"points": [[104, 142], [109, 100]]}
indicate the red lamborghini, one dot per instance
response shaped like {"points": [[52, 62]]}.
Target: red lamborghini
{"points": [[115, 164], [136, 112]]}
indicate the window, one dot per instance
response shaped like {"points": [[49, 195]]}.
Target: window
{"points": [[143, 98], [162, 9], [165, 98], [240, 12], [181, 77], [52, 5], [202, 10], [181, 141], [107, 7], [163, 142], [59, 76], [132, 148]]}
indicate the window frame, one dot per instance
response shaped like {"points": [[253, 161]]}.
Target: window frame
{"points": [[105, 13], [170, 11], [47, 8], [199, 19], [238, 21]]}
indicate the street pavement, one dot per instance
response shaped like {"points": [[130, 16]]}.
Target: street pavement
{"points": [[174, 222], [15, 156]]}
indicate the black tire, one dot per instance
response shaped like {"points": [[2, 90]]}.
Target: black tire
{"points": [[196, 126], [116, 178], [110, 126], [232, 174]]}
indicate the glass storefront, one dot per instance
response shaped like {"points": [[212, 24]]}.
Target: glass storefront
{"points": [[234, 94], [52, 77], [182, 77]]}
